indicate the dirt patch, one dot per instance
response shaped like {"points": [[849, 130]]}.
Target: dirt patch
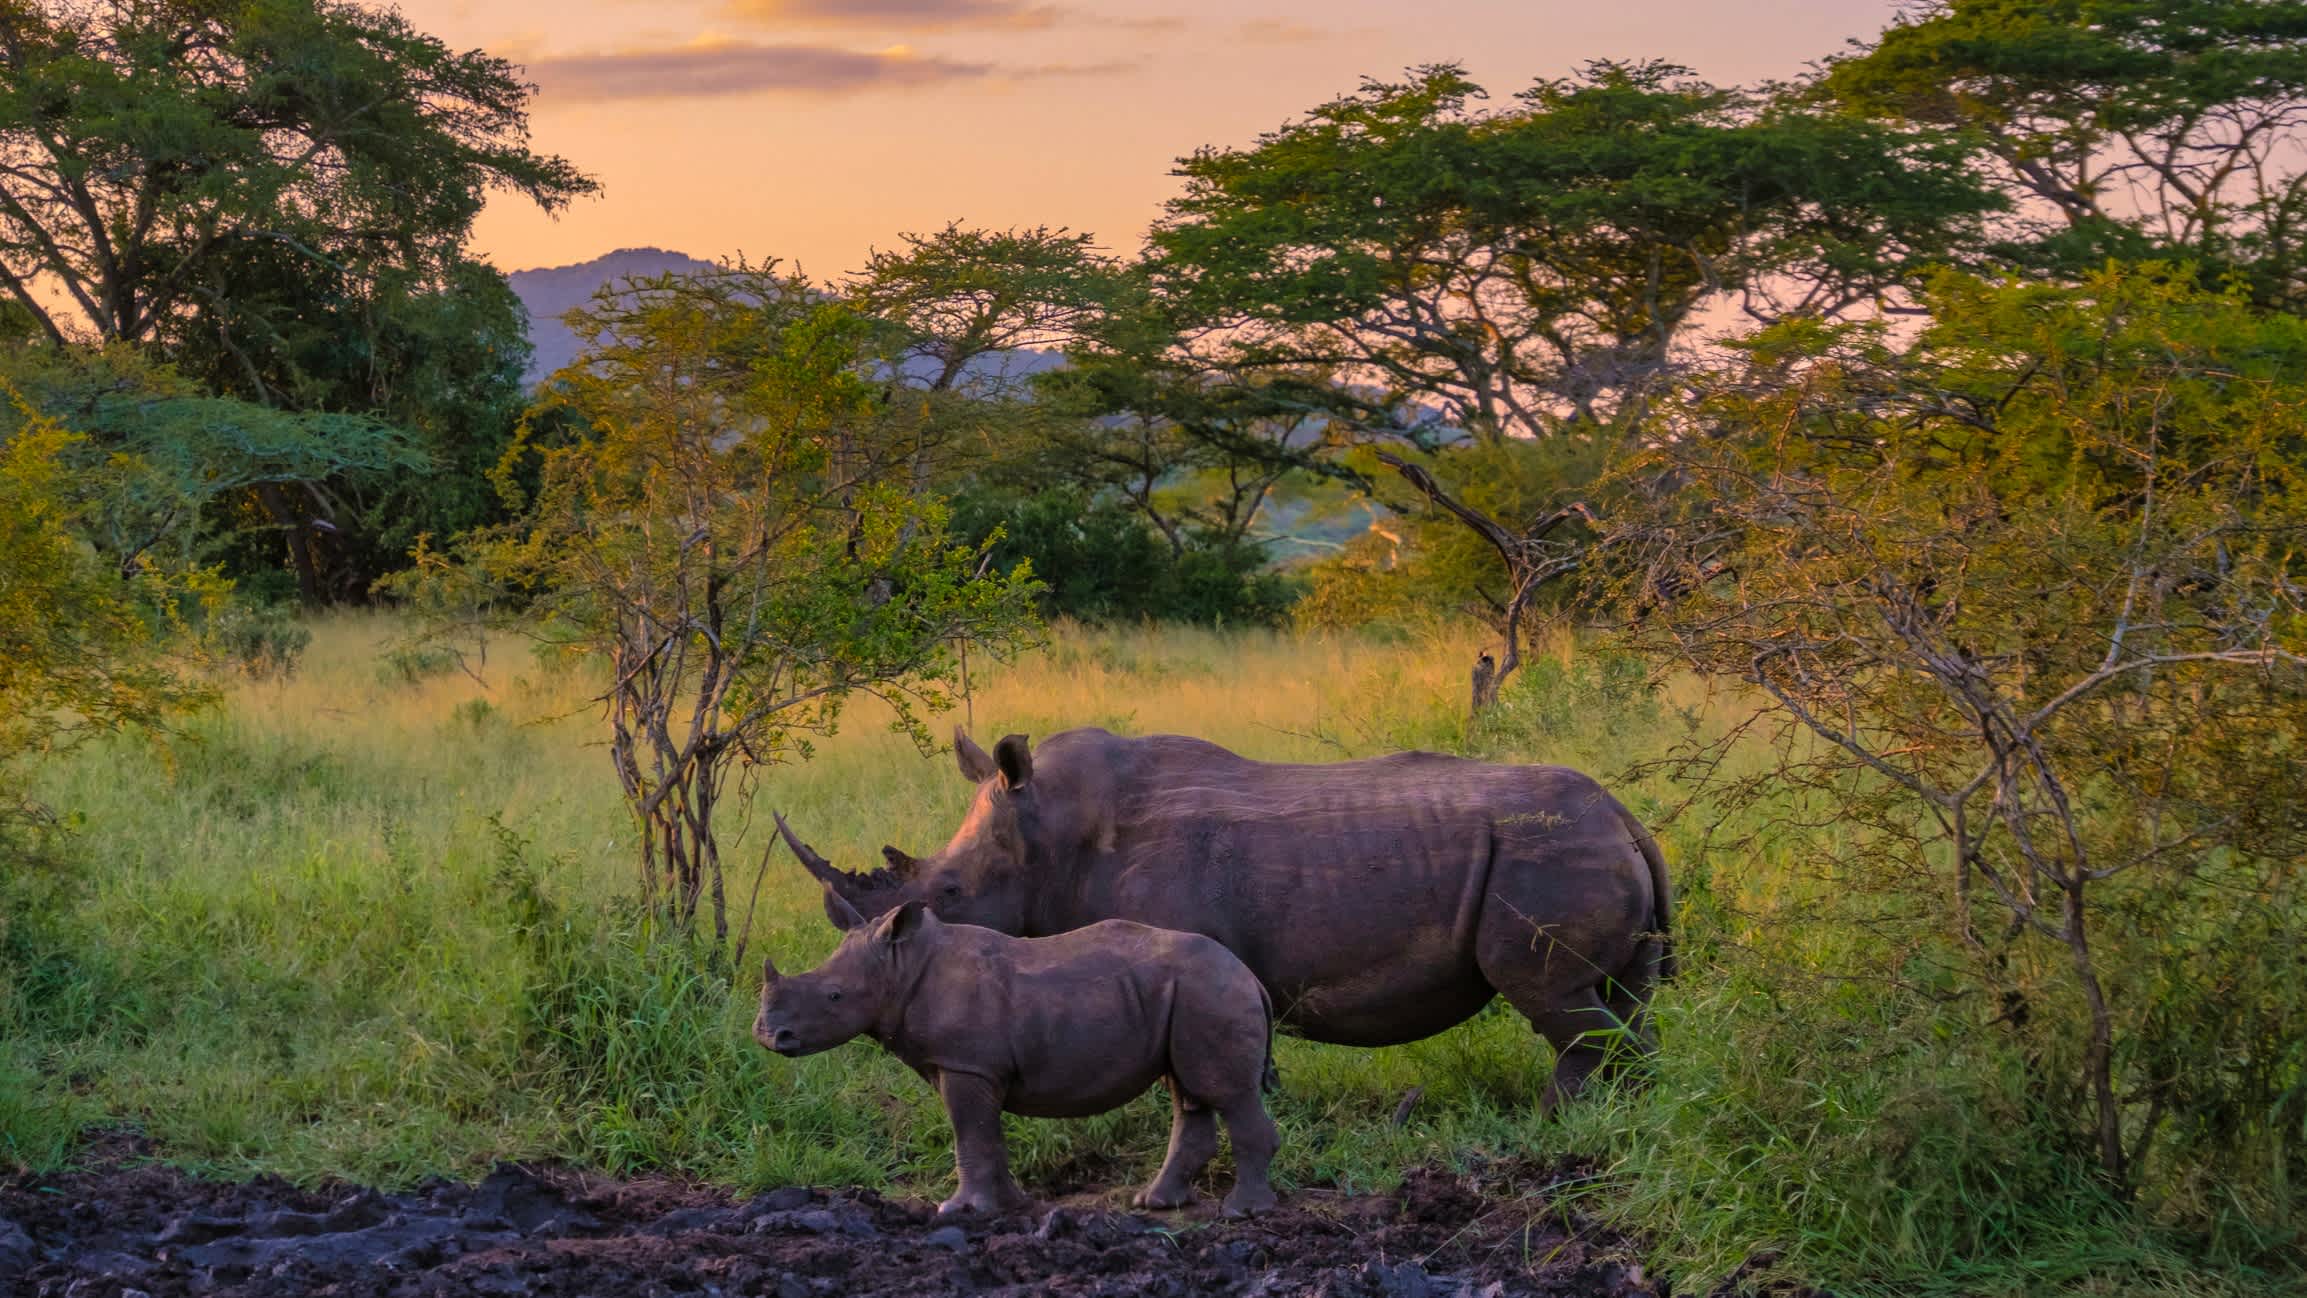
{"points": [[124, 1228]]}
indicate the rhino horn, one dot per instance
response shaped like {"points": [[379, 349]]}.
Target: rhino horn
{"points": [[843, 888], [898, 861]]}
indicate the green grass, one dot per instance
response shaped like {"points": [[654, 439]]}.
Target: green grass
{"points": [[371, 922]]}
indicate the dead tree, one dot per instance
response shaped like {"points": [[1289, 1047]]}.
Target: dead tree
{"points": [[1532, 558]]}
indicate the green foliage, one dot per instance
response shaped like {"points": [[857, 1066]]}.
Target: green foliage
{"points": [[737, 528], [1858, 1138], [163, 146], [2128, 128], [81, 644], [261, 640], [277, 196], [1413, 270], [1423, 565], [436, 364], [1502, 272], [1099, 561], [1078, 466], [169, 476], [2031, 587], [964, 300], [413, 661]]}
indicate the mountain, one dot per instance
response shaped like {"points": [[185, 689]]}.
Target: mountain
{"points": [[552, 291]]}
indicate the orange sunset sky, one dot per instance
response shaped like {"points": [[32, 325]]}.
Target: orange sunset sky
{"points": [[814, 130]]}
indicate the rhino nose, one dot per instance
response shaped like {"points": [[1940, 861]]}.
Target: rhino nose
{"points": [[784, 1042]]}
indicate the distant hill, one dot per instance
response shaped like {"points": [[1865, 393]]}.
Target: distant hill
{"points": [[1302, 527], [552, 291]]}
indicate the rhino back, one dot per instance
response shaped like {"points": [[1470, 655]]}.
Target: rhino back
{"points": [[1343, 884], [1077, 1023], [1211, 828]]}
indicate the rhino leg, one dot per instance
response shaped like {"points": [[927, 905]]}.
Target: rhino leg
{"points": [[1583, 1032], [1556, 942], [1629, 1003], [981, 1159], [1193, 1143], [1255, 1140]]}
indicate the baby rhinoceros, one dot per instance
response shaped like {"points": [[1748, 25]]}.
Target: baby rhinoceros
{"points": [[1051, 1027]]}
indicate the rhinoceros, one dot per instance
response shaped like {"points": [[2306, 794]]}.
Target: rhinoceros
{"points": [[1378, 901], [1052, 1027]]}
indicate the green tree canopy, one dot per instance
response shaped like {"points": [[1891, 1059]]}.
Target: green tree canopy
{"points": [[1526, 269], [276, 195], [166, 476], [147, 145], [1421, 269], [2034, 585], [81, 650], [438, 358], [731, 525], [965, 298], [2126, 128]]}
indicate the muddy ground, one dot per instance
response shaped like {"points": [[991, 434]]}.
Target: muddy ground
{"points": [[126, 1226]]}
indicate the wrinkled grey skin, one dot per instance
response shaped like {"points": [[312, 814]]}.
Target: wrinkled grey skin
{"points": [[1055, 1027], [1378, 901]]}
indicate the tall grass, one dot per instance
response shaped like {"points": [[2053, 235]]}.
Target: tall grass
{"points": [[371, 921]]}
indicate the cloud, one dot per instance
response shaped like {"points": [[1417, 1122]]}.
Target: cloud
{"points": [[908, 15], [714, 68], [1282, 31], [1156, 24]]}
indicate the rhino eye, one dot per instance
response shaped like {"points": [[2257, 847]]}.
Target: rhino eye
{"points": [[833, 995], [952, 890]]}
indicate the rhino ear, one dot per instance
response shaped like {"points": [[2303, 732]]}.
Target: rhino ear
{"points": [[1015, 757], [768, 971], [905, 922], [898, 861], [976, 767]]}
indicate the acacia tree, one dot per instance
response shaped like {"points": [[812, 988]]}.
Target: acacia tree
{"points": [[437, 358], [2122, 128], [1435, 273], [142, 142], [227, 182], [972, 302], [731, 529], [2036, 588], [1194, 450], [154, 456], [80, 652], [969, 317], [1036, 367]]}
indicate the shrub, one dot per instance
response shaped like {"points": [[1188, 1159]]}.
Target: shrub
{"points": [[1101, 562], [411, 661], [261, 640]]}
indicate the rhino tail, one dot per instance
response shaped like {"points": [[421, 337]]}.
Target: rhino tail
{"points": [[1270, 1079], [1661, 893]]}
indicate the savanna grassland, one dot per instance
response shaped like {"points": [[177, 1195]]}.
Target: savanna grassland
{"points": [[1946, 617], [349, 924], [373, 921]]}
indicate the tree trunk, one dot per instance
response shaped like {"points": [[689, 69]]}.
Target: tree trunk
{"points": [[1485, 682], [1529, 565], [299, 539], [2098, 1057]]}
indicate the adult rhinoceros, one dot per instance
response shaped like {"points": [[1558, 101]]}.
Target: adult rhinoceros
{"points": [[1379, 901]]}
